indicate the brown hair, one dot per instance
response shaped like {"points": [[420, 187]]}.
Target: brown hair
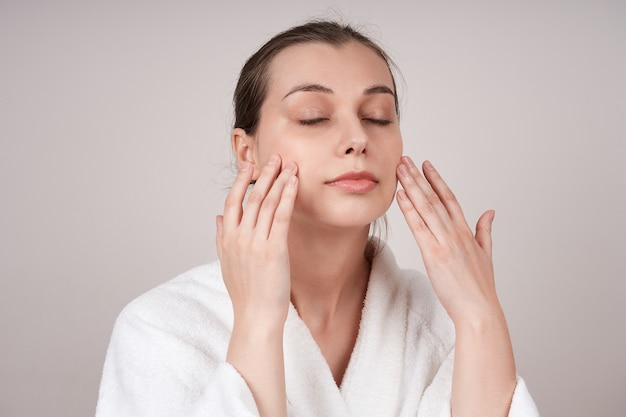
{"points": [[253, 80]]}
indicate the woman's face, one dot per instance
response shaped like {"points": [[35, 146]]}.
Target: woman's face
{"points": [[331, 110]]}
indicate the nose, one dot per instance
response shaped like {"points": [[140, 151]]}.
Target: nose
{"points": [[357, 147], [355, 140]]}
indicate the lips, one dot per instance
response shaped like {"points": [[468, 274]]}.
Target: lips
{"points": [[354, 182]]}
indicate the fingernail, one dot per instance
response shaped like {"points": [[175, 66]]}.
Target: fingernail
{"points": [[408, 161], [403, 170], [273, 160], [428, 166], [245, 166], [290, 167]]}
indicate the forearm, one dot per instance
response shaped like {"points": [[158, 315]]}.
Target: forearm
{"points": [[484, 375], [256, 351], [252, 247]]}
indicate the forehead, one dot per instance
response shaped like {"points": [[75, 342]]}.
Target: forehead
{"points": [[348, 67]]}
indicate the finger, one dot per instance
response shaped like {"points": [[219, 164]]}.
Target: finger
{"points": [[483, 230], [282, 216], [259, 192], [219, 234], [233, 205], [421, 232], [272, 201], [423, 197], [446, 196]]}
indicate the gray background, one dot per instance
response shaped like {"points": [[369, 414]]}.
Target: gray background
{"points": [[114, 122]]}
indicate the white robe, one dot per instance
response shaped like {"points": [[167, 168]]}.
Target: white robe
{"points": [[167, 355]]}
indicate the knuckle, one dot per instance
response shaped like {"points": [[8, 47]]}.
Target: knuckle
{"points": [[241, 243], [466, 233], [448, 195], [270, 202], [419, 225], [456, 246], [255, 197], [433, 198], [231, 202], [269, 169], [442, 255], [281, 217], [242, 236], [427, 208], [438, 253]]}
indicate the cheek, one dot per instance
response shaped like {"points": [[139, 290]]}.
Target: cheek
{"points": [[398, 147], [392, 160], [284, 144], [306, 158], [270, 140], [393, 153]]}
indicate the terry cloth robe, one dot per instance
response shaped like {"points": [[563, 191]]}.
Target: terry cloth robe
{"points": [[167, 355]]}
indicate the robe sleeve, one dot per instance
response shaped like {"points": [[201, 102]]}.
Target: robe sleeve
{"points": [[152, 372], [436, 399]]}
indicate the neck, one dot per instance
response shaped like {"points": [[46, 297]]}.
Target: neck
{"points": [[329, 271]]}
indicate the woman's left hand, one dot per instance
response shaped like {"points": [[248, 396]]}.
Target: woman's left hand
{"points": [[458, 262], [459, 266]]}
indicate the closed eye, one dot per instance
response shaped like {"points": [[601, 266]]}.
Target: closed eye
{"points": [[311, 122], [380, 122]]}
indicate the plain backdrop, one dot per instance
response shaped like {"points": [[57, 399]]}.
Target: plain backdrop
{"points": [[115, 158]]}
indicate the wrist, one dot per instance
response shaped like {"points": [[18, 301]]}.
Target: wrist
{"points": [[258, 328], [255, 338], [256, 351], [260, 319], [481, 321]]}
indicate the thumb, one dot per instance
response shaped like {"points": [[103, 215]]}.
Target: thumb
{"points": [[483, 230]]}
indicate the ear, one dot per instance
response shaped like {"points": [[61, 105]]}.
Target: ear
{"points": [[244, 147]]}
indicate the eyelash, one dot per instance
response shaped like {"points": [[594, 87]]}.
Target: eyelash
{"points": [[380, 122], [311, 122]]}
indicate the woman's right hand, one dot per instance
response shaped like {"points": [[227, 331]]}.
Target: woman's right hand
{"points": [[252, 242], [252, 247]]}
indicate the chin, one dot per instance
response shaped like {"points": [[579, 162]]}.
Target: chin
{"points": [[327, 208], [340, 216]]}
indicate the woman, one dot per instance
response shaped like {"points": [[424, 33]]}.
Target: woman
{"points": [[305, 314]]}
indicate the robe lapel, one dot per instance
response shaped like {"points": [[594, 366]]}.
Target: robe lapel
{"points": [[311, 389], [372, 383]]}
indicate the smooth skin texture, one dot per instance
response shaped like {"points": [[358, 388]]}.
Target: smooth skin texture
{"points": [[460, 268], [330, 111], [249, 242]]}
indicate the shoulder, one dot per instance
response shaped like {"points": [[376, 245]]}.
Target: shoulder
{"points": [[167, 342], [196, 299]]}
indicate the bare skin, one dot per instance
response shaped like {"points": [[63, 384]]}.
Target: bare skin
{"points": [[459, 265], [302, 239], [331, 302]]}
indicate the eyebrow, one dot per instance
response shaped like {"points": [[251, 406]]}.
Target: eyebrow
{"points": [[379, 89], [318, 88]]}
